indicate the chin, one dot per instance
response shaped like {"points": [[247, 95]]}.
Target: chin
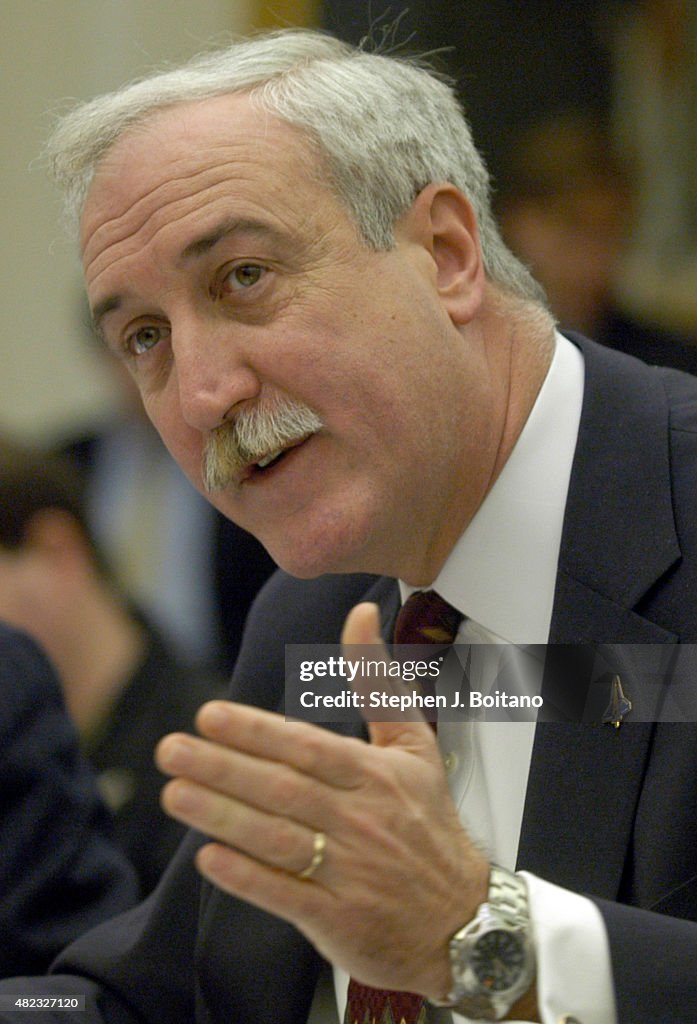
{"points": [[338, 547], [310, 565]]}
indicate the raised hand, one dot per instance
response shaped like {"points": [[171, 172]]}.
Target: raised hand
{"points": [[394, 875]]}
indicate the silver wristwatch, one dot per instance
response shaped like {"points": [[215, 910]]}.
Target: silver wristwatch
{"points": [[492, 958]]}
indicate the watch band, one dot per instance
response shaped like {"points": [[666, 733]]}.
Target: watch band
{"points": [[505, 912], [508, 893]]}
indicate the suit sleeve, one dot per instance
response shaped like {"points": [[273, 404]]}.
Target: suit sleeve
{"points": [[60, 872], [654, 963], [136, 968]]}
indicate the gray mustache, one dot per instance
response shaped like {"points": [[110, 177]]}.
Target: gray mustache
{"points": [[253, 434]]}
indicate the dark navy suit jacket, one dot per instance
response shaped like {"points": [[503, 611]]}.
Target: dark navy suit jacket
{"points": [[610, 813], [60, 870]]}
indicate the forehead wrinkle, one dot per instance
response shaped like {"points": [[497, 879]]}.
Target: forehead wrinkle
{"points": [[149, 198], [168, 217], [185, 138], [254, 183], [261, 215], [243, 172]]}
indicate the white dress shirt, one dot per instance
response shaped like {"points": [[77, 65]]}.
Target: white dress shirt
{"points": [[501, 575]]}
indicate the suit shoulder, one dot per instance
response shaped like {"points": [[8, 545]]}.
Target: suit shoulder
{"points": [[311, 611], [292, 611], [681, 393], [29, 682]]}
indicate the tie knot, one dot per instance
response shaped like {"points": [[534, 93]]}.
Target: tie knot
{"points": [[425, 618]]}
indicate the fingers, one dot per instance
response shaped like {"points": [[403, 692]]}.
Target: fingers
{"points": [[362, 626], [270, 786], [314, 752], [407, 727], [275, 841], [273, 890]]}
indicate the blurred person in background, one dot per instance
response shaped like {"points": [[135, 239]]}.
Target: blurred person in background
{"points": [[629, 64], [124, 687], [566, 205], [193, 571], [60, 870]]}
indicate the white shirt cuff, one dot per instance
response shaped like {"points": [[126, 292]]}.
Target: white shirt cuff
{"points": [[574, 972]]}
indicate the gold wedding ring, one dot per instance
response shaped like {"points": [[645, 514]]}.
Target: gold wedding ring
{"points": [[318, 847]]}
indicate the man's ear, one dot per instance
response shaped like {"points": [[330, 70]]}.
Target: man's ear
{"points": [[441, 219]]}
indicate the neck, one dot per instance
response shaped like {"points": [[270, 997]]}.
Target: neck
{"points": [[520, 356]]}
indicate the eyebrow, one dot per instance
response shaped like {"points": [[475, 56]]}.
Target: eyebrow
{"points": [[193, 250], [229, 226], [102, 308]]}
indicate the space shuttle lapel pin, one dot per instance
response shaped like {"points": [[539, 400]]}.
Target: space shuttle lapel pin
{"points": [[619, 706]]}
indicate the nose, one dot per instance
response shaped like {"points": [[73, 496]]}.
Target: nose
{"points": [[212, 374]]}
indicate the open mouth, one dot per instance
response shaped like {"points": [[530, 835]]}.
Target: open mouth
{"points": [[268, 460], [272, 459]]}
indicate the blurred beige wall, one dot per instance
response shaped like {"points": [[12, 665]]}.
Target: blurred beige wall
{"points": [[52, 51]]}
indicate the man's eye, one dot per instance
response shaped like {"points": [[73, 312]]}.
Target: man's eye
{"points": [[244, 276], [144, 339]]}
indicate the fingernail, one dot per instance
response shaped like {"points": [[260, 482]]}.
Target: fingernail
{"points": [[173, 754], [214, 715]]}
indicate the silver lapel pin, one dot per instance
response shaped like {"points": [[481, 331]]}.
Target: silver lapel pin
{"points": [[619, 706]]}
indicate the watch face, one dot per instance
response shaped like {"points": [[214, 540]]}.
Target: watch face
{"points": [[497, 960]]}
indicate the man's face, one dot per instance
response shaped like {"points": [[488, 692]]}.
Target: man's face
{"points": [[229, 278]]}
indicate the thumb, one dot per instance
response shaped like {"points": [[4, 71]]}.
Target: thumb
{"points": [[389, 713]]}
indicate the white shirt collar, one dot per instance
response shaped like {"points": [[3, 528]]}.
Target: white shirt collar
{"points": [[502, 571]]}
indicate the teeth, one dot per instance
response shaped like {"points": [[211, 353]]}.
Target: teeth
{"points": [[263, 463]]}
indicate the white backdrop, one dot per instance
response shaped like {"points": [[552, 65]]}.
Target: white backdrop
{"points": [[52, 51]]}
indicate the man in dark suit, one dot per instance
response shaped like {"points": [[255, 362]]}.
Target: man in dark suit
{"points": [[361, 374]]}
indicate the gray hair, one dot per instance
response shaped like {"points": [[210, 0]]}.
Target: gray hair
{"points": [[385, 126]]}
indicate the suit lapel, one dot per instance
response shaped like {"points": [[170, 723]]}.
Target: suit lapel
{"points": [[619, 533], [619, 537], [583, 788]]}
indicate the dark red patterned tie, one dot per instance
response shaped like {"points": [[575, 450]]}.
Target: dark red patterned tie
{"points": [[425, 618]]}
